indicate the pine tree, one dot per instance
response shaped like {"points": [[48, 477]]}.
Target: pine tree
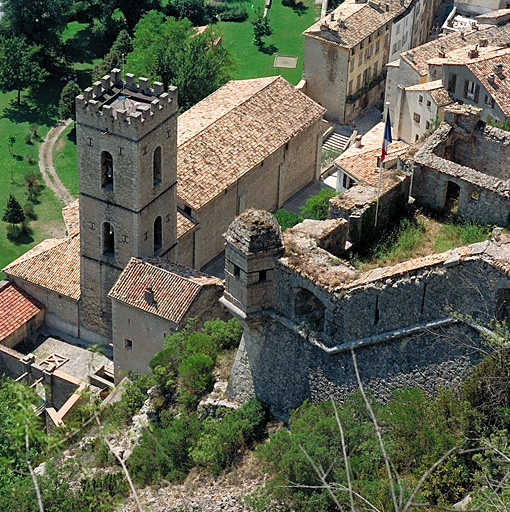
{"points": [[13, 212]]}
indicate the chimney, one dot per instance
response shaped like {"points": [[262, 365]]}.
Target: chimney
{"points": [[149, 295], [332, 16], [442, 52], [483, 42], [410, 56], [498, 68], [473, 52], [357, 141]]}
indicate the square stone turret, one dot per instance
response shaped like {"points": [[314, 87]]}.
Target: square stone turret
{"points": [[253, 242]]}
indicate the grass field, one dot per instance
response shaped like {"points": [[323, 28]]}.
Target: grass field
{"points": [[65, 159], [17, 121], [287, 25], [40, 107]]}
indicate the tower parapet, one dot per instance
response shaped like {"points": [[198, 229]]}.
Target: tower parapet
{"points": [[113, 105]]}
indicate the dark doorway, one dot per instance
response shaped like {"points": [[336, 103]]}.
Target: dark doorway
{"points": [[451, 204]]}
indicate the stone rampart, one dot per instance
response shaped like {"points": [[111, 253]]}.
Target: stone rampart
{"points": [[416, 323]]}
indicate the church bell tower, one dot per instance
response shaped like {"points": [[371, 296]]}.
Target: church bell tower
{"points": [[126, 135]]}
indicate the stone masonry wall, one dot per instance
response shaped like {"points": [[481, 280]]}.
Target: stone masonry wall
{"points": [[401, 328]]}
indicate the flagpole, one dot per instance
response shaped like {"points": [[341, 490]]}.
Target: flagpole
{"points": [[386, 108]]}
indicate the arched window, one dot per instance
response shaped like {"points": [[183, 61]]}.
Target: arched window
{"points": [[106, 170], [156, 165], [108, 240], [158, 234]]}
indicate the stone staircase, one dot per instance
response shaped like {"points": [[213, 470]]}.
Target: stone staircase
{"points": [[335, 142]]}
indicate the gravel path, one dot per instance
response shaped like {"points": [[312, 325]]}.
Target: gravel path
{"points": [[46, 167]]}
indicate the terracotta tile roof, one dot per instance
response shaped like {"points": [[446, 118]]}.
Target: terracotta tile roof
{"points": [[17, 307], [363, 166], [498, 86], [71, 214], [52, 264], [493, 14], [357, 21], [441, 97], [175, 287], [438, 93], [418, 57], [183, 224], [234, 129], [461, 55], [426, 86]]}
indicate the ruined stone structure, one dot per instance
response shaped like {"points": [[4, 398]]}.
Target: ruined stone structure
{"points": [[126, 139], [303, 310], [464, 167]]}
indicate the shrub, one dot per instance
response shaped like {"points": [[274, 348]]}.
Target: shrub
{"points": [[164, 452], [195, 378], [221, 441], [230, 12], [28, 209], [287, 219], [226, 335], [317, 206]]}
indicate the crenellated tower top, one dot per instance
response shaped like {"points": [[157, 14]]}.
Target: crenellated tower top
{"points": [[125, 107]]}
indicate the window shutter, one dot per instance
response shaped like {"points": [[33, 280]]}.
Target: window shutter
{"points": [[466, 83], [477, 92]]}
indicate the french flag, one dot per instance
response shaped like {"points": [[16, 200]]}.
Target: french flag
{"points": [[387, 137]]}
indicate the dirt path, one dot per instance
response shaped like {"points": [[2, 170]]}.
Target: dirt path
{"points": [[46, 167]]}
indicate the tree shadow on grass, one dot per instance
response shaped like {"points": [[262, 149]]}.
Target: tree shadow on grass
{"points": [[269, 49], [71, 136], [299, 8], [19, 236], [85, 46]]}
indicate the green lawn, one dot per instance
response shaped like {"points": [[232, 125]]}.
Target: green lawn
{"points": [[287, 25], [40, 107], [65, 159], [16, 121]]}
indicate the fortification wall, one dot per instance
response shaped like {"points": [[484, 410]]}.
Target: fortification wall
{"points": [[416, 324]]}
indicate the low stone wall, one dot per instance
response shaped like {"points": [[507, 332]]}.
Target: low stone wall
{"points": [[62, 391], [358, 206]]}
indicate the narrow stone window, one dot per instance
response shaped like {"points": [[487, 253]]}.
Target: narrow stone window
{"points": [[262, 276], [128, 344], [503, 305], [158, 234], [156, 165], [106, 170], [108, 240], [377, 314], [237, 271]]}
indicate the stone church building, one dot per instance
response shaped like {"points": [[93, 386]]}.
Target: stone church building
{"points": [[123, 244]]}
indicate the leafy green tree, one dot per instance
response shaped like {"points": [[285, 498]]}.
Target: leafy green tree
{"points": [[134, 10], [116, 56], [66, 104], [19, 65], [193, 10], [13, 212], [40, 22], [261, 27], [170, 51], [317, 206]]}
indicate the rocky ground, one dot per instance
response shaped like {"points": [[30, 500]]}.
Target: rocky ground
{"points": [[201, 493]]}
